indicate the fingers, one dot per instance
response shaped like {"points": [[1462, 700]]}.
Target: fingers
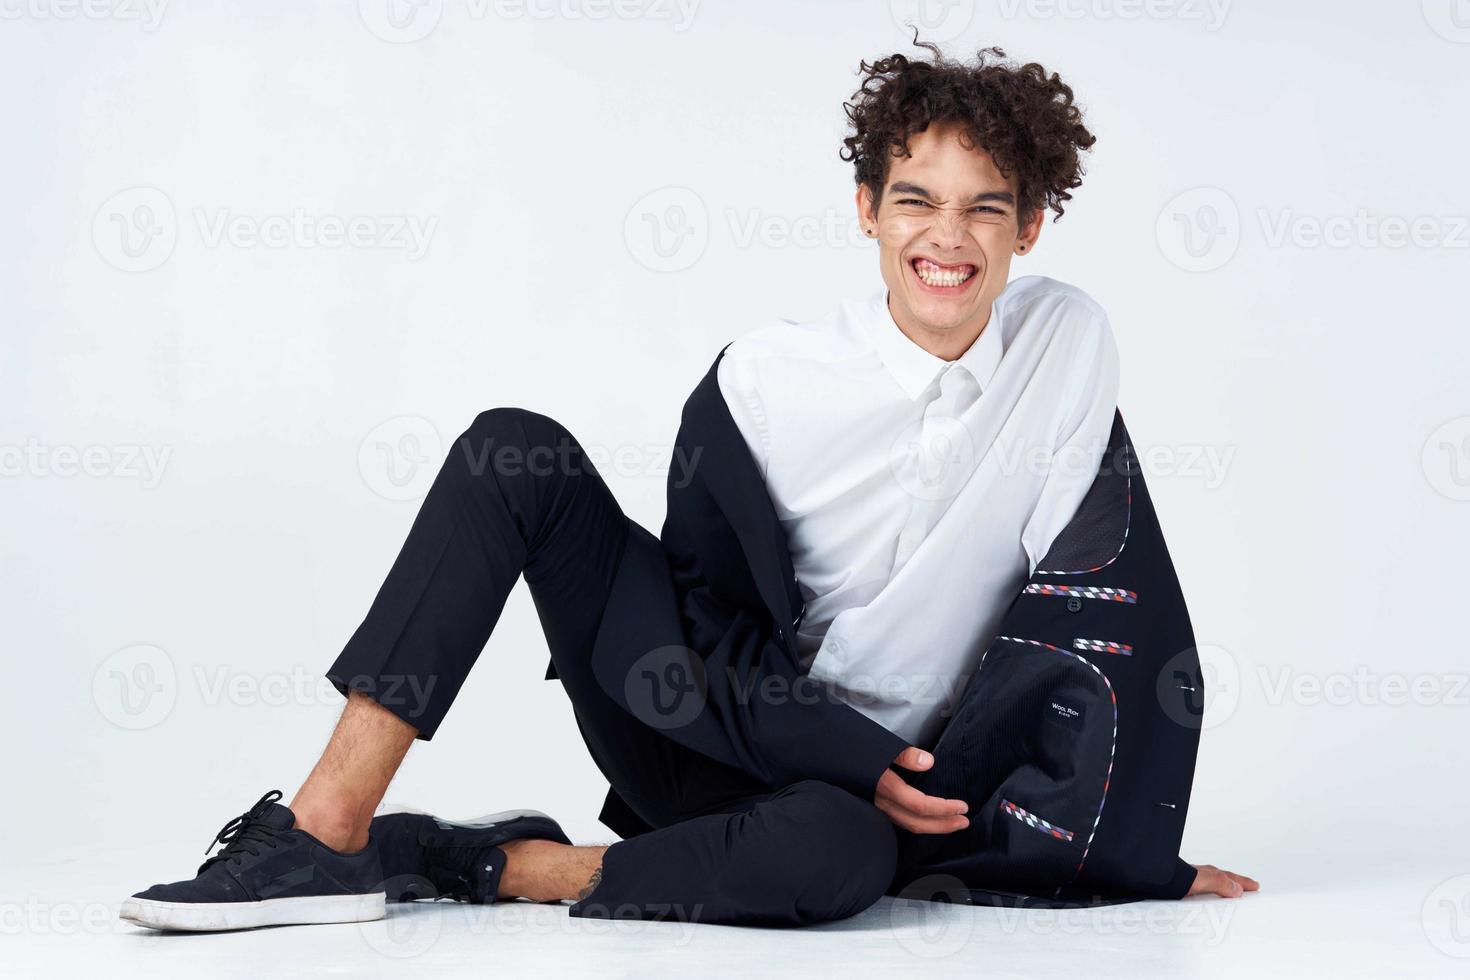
{"points": [[892, 787], [1212, 881], [914, 759], [917, 812], [1249, 884], [916, 824]]}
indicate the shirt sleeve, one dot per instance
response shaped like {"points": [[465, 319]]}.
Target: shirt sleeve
{"points": [[738, 385], [1081, 439]]}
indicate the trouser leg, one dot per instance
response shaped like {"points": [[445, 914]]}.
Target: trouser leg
{"points": [[809, 853], [517, 495]]}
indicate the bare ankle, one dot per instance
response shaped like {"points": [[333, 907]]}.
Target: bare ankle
{"points": [[546, 871], [338, 829]]}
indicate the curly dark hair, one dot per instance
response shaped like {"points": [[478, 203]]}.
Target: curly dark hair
{"points": [[1024, 117]]}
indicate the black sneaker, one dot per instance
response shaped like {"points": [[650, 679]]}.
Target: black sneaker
{"points": [[266, 874], [426, 857]]}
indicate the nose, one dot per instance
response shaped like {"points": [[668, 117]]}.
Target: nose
{"points": [[947, 230]]}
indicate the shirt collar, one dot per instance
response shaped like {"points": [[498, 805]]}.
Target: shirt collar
{"points": [[912, 366]]}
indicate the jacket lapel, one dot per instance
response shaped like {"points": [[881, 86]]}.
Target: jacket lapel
{"points": [[730, 475]]}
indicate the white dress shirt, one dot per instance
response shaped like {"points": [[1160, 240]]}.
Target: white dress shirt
{"points": [[918, 494]]}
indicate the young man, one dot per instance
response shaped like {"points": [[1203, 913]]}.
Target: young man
{"points": [[850, 540]]}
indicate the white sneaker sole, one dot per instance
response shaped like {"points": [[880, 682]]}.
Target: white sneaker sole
{"points": [[225, 916]]}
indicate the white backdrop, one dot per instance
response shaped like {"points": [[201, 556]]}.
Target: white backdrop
{"points": [[260, 262]]}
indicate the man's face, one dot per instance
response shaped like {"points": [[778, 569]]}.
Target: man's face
{"points": [[947, 228]]}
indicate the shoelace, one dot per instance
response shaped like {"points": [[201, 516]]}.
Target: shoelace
{"points": [[245, 834]]}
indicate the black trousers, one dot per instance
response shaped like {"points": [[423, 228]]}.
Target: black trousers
{"points": [[517, 496]]}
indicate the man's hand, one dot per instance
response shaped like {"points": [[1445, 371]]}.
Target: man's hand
{"points": [[1227, 884], [911, 809]]}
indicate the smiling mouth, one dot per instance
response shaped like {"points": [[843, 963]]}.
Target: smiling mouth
{"points": [[938, 276]]}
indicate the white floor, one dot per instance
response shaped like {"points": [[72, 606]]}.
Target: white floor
{"points": [[1316, 917]]}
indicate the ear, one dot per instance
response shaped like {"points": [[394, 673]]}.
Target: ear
{"points": [[866, 212], [1030, 231]]}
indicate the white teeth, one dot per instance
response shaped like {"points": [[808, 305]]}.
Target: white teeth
{"points": [[935, 276]]}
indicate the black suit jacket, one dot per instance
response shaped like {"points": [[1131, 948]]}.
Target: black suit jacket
{"points": [[1076, 755]]}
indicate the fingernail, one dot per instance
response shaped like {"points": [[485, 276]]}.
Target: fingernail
{"points": [[925, 758]]}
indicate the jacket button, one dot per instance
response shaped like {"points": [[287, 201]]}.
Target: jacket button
{"points": [[1074, 604]]}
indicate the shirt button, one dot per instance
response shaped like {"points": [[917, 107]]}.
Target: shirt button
{"points": [[1074, 604]]}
